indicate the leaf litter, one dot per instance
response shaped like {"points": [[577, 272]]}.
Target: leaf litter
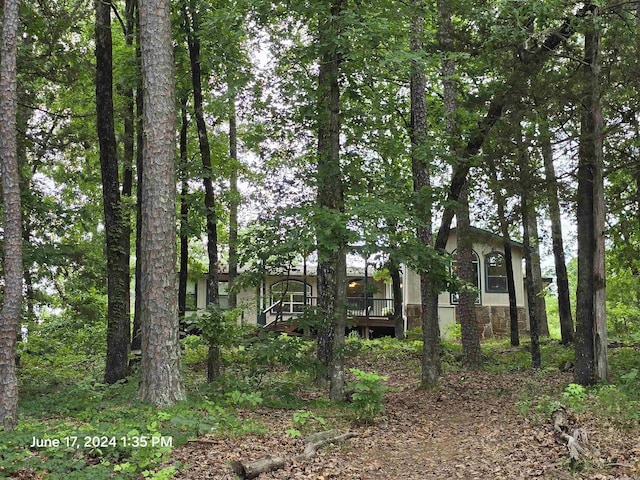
{"points": [[469, 427]]}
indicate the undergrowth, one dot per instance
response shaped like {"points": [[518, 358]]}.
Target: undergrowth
{"points": [[84, 428]]}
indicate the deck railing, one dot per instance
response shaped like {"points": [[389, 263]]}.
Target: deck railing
{"points": [[356, 307]]}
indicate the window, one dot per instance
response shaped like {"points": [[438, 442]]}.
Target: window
{"points": [[192, 297], [292, 293], [223, 294], [496, 272], [476, 269]]}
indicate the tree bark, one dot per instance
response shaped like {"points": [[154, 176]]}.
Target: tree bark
{"points": [[12, 302], [527, 210], [184, 214], [331, 237], [562, 279], [471, 354], [234, 202], [591, 329], [538, 287], [421, 172], [116, 229], [136, 336], [508, 255], [160, 381], [193, 41], [396, 287], [531, 299]]}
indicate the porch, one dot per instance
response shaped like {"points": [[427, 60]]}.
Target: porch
{"points": [[363, 314]]}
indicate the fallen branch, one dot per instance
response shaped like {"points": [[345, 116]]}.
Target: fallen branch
{"points": [[202, 440], [577, 442], [251, 469], [318, 440]]}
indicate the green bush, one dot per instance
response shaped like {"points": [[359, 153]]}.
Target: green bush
{"points": [[368, 394], [574, 397]]}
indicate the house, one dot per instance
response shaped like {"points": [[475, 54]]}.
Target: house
{"points": [[279, 299], [492, 304]]}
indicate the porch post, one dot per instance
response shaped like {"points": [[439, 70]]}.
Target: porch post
{"points": [[304, 274], [366, 287]]}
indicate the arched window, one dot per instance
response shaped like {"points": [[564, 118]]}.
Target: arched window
{"points": [[292, 294], [496, 272], [476, 269]]}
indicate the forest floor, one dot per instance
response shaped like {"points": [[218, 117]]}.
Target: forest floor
{"points": [[484, 425]]}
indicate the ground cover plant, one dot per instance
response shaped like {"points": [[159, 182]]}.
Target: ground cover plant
{"points": [[489, 424]]}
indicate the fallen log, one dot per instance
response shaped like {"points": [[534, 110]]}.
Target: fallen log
{"points": [[318, 440], [576, 439], [253, 468], [247, 470]]}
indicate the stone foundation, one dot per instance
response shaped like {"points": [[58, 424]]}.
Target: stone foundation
{"points": [[413, 316], [493, 321]]}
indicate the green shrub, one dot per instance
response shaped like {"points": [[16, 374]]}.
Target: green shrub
{"points": [[453, 331], [368, 394], [574, 397]]}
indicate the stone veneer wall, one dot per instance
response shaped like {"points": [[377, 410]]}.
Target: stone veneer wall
{"points": [[493, 321]]}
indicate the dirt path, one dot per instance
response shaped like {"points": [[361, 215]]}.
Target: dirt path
{"points": [[469, 428]]}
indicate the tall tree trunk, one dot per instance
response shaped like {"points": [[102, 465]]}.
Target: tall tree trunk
{"points": [[471, 354], [508, 255], [234, 202], [421, 171], [531, 298], [117, 233], [30, 292], [160, 380], [562, 279], [12, 301], [591, 329], [129, 122], [538, 287], [136, 337], [184, 214], [396, 287], [331, 238], [214, 362], [527, 210]]}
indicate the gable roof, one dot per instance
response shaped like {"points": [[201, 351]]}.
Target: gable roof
{"points": [[479, 233]]}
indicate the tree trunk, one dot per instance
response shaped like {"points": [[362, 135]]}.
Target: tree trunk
{"points": [[529, 284], [508, 256], [538, 287], [591, 329], [471, 354], [192, 29], [396, 287], [116, 230], [421, 172], [331, 238], [234, 202], [562, 279], [12, 301], [136, 337], [160, 381], [184, 214], [527, 210]]}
